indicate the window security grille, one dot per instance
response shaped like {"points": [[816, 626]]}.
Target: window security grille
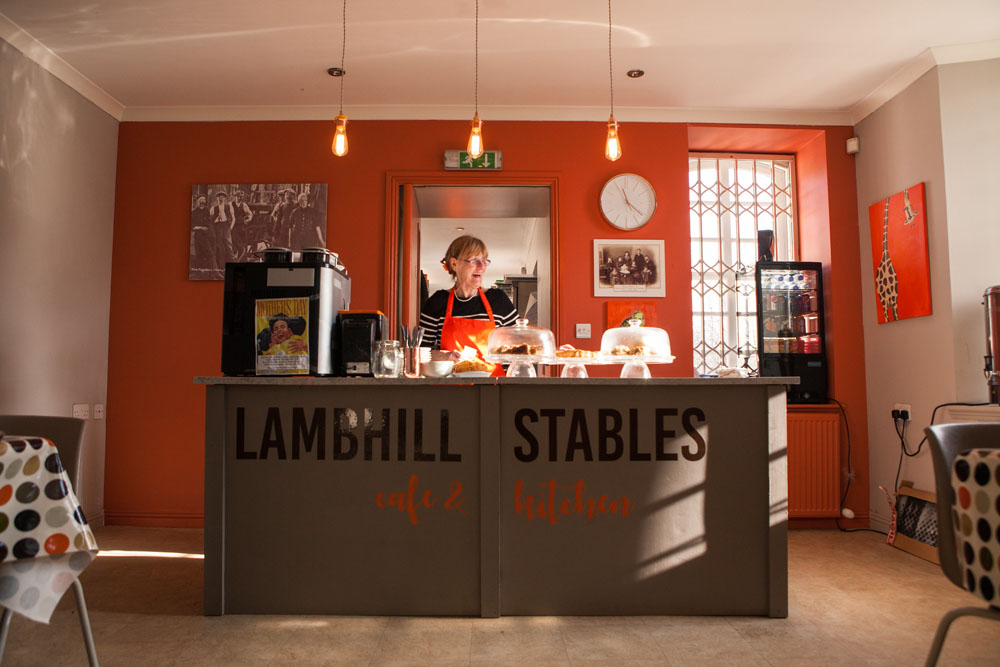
{"points": [[733, 198]]}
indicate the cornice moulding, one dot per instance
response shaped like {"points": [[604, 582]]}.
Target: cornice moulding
{"points": [[47, 59], [916, 68]]}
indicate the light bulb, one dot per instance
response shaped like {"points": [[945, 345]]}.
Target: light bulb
{"points": [[613, 148], [475, 148], [339, 146]]}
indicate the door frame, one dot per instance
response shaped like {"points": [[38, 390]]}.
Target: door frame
{"points": [[394, 182]]}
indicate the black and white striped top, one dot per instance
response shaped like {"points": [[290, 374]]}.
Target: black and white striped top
{"points": [[432, 316]]}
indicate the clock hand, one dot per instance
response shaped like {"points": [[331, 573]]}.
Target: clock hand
{"points": [[625, 196], [627, 202]]}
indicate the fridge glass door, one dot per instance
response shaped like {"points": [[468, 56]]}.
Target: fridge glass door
{"points": [[790, 304]]}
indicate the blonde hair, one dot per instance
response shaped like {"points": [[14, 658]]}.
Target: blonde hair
{"points": [[462, 247]]}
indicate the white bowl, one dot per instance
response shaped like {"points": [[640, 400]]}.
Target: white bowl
{"points": [[436, 369]]}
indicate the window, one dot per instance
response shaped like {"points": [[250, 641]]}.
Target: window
{"points": [[733, 198]]}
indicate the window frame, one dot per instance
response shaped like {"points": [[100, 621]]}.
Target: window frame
{"points": [[730, 317]]}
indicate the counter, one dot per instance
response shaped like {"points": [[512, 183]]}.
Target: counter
{"points": [[495, 496]]}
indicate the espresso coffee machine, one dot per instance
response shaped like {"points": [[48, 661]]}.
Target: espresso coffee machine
{"points": [[307, 290]]}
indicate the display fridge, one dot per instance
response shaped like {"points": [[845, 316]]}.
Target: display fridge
{"points": [[790, 332]]}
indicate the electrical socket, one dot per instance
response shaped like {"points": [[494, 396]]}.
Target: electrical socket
{"points": [[903, 407]]}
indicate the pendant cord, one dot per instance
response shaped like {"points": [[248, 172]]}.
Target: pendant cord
{"points": [[343, 52], [477, 57], [611, 71]]}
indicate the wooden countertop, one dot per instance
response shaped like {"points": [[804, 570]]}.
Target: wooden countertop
{"points": [[308, 380]]}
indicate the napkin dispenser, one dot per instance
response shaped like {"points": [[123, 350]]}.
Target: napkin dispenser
{"points": [[321, 289], [357, 331]]}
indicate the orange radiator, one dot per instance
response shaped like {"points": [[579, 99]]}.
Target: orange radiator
{"points": [[813, 462]]}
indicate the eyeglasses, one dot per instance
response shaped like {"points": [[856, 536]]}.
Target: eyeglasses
{"points": [[476, 262]]}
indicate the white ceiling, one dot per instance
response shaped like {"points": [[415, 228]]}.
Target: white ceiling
{"points": [[803, 61]]}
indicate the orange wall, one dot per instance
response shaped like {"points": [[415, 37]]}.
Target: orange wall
{"points": [[828, 233], [165, 329]]}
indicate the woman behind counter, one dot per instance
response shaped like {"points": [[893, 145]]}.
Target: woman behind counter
{"points": [[465, 315]]}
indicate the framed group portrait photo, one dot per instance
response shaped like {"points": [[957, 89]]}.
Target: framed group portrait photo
{"points": [[233, 222], [628, 268]]}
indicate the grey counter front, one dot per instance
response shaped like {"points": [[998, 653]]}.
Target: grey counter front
{"points": [[491, 497]]}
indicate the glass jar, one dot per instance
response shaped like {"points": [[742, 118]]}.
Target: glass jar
{"points": [[387, 359]]}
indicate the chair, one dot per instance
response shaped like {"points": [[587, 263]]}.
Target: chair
{"points": [[948, 441], [67, 435]]}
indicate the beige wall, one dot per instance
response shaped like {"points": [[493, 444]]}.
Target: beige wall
{"points": [[970, 106], [941, 130], [57, 183]]}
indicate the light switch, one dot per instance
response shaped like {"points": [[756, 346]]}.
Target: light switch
{"points": [[583, 330], [81, 410]]}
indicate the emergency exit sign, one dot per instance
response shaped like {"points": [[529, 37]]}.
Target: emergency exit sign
{"points": [[462, 160]]}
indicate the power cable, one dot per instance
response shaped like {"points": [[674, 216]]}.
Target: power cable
{"points": [[901, 433], [847, 488]]}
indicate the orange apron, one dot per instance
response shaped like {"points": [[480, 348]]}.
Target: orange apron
{"points": [[459, 332]]}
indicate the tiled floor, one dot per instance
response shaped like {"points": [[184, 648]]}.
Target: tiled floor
{"points": [[853, 601]]}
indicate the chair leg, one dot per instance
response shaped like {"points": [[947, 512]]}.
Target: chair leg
{"points": [[947, 620], [88, 636], [4, 627]]}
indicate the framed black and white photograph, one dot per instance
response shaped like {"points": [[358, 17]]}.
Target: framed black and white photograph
{"points": [[231, 222], [628, 268]]}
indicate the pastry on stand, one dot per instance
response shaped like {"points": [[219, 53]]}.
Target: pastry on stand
{"points": [[635, 346], [521, 347]]}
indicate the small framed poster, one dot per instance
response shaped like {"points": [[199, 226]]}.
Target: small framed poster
{"points": [[628, 268], [282, 336]]}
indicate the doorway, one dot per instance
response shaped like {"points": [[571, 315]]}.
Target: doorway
{"points": [[514, 223], [514, 215]]}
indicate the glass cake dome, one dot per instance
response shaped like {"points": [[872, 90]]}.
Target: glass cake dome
{"points": [[635, 346], [520, 346]]}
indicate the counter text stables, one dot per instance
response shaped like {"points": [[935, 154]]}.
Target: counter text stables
{"points": [[550, 435]]}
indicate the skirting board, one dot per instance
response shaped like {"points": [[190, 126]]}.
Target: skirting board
{"points": [[879, 523], [154, 519]]}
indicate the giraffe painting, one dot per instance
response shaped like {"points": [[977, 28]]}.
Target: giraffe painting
{"points": [[885, 276], [902, 269], [908, 210]]}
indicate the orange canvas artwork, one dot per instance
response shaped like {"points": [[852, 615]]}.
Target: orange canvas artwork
{"points": [[900, 259], [619, 312]]}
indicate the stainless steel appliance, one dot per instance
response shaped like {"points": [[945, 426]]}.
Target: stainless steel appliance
{"points": [[314, 279], [991, 301]]}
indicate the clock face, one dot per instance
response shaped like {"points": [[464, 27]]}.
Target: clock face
{"points": [[628, 201]]}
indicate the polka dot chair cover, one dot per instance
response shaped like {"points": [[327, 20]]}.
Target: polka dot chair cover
{"points": [[976, 480], [45, 542]]}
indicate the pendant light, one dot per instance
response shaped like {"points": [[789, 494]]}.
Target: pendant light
{"points": [[613, 146], [339, 146], [475, 148]]}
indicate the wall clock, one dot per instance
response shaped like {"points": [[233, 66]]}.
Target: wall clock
{"points": [[628, 201]]}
